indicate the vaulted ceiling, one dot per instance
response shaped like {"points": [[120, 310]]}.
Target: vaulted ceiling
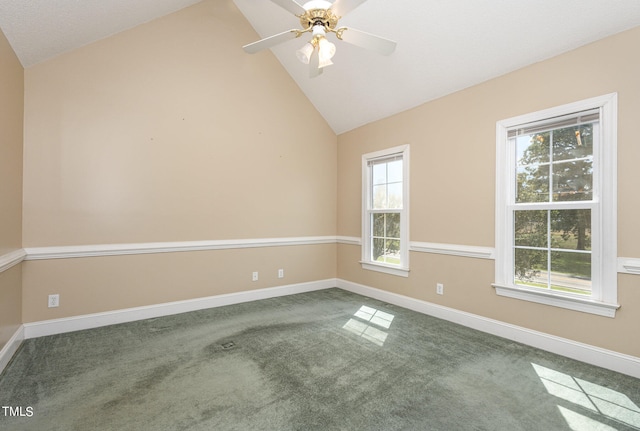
{"points": [[443, 46]]}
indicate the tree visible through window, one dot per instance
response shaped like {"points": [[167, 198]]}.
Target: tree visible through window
{"points": [[386, 199], [553, 246], [556, 206]]}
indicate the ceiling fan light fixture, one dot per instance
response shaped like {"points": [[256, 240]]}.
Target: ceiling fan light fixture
{"points": [[324, 62], [320, 17], [326, 49], [304, 53]]}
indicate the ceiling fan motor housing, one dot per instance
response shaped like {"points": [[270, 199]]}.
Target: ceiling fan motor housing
{"points": [[318, 12]]}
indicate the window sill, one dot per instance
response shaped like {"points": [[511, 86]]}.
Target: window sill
{"points": [[393, 270], [571, 303]]}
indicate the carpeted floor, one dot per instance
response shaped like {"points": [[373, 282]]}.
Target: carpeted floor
{"points": [[326, 360]]}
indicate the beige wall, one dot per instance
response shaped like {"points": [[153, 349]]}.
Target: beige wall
{"points": [[97, 284], [170, 132], [11, 113], [453, 187]]}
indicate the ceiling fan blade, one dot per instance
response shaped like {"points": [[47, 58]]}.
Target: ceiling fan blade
{"points": [[291, 6], [314, 62], [367, 40], [270, 41], [342, 7]]}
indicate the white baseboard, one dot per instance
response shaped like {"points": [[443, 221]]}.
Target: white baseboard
{"points": [[11, 347], [615, 361], [88, 321], [609, 359]]}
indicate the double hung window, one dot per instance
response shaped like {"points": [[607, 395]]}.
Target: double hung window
{"points": [[385, 234], [555, 228]]}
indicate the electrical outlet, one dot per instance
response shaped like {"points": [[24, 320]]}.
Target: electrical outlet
{"points": [[54, 300], [281, 273], [254, 277], [440, 289]]}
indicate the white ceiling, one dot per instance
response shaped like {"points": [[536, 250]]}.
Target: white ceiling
{"points": [[443, 45], [40, 29]]}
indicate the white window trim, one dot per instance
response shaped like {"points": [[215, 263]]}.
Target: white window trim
{"points": [[605, 304], [366, 262]]}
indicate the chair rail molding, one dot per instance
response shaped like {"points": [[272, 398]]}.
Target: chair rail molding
{"points": [[11, 259], [351, 240], [77, 251], [627, 265], [453, 249]]}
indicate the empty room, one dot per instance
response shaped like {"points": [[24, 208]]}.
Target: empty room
{"points": [[331, 215]]}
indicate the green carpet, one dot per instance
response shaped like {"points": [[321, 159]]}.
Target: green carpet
{"points": [[326, 360]]}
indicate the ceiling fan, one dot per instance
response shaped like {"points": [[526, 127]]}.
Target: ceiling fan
{"points": [[319, 18]]}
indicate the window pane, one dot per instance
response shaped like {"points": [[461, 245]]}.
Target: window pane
{"points": [[571, 229], [573, 142], [378, 225], [379, 173], [532, 149], [392, 251], [394, 195], [571, 272], [530, 267], [532, 184], [377, 249], [394, 171], [386, 238], [379, 197], [531, 228], [393, 225], [572, 180]]}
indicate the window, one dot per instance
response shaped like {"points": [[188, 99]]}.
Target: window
{"points": [[556, 206], [385, 227]]}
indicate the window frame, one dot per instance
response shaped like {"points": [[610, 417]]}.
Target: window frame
{"points": [[366, 262], [603, 298]]}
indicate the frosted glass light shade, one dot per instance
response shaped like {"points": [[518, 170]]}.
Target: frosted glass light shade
{"points": [[323, 62], [304, 53], [326, 50]]}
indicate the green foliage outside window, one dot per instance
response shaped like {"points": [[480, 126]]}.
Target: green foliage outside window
{"points": [[553, 166]]}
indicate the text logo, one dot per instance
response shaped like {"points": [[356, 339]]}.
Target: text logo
{"points": [[22, 412]]}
